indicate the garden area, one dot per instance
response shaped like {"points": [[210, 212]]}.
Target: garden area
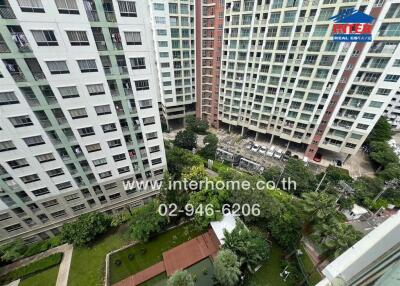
{"points": [[144, 254]]}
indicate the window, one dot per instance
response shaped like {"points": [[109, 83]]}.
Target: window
{"points": [[78, 38], [95, 89], [103, 109], [156, 161], [370, 116], [58, 214], [392, 78], [384, 91], [133, 38], [93, 147], [149, 120], [87, 66], [21, 121], [162, 44], [30, 178], [160, 20], [19, 163], [164, 55], [362, 126], [34, 6], [87, 131], [44, 37], [115, 196], [68, 91], [63, 186], [110, 186], [158, 6], [146, 103], [78, 113], [109, 127], [396, 63], [55, 172], [34, 140], [57, 67], [67, 6], [6, 146], [104, 175], [127, 8], [151, 135], [123, 170], [138, 63], [13, 227], [45, 157], [161, 32], [119, 157], [99, 162], [71, 197], [350, 145], [78, 207], [142, 84], [41, 192], [154, 149], [376, 104], [7, 98], [50, 203], [114, 143]]}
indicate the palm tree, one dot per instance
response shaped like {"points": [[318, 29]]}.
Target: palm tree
{"points": [[227, 268], [319, 207], [180, 278], [335, 237]]}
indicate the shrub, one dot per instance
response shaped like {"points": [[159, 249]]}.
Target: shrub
{"points": [[32, 269]]}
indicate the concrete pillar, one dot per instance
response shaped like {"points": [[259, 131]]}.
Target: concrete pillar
{"points": [[257, 136], [242, 133], [229, 128], [272, 139], [287, 146]]}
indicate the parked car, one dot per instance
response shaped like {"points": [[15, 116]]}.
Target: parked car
{"points": [[286, 156], [318, 157], [255, 147], [278, 154], [249, 145], [263, 150], [271, 152]]}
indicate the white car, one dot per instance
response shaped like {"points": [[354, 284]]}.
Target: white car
{"points": [[271, 152], [249, 146], [255, 147], [263, 150], [278, 154]]}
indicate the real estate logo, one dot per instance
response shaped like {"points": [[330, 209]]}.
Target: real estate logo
{"points": [[352, 26]]}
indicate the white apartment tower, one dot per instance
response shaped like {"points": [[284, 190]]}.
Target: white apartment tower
{"points": [[174, 39], [78, 111], [283, 77], [392, 112]]}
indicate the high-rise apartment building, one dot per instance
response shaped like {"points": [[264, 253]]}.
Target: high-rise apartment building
{"points": [[209, 32], [174, 41], [283, 76], [78, 111], [392, 112]]}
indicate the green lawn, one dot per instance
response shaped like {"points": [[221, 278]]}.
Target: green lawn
{"points": [[144, 255], [268, 274], [309, 268], [87, 266], [45, 278]]}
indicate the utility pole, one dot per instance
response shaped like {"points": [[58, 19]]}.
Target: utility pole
{"points": [[320, 182]]}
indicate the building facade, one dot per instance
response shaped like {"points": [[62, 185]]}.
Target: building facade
{"points": [[209, 31], [392, 112], [174, 40], [282, 76], [78, 112]]}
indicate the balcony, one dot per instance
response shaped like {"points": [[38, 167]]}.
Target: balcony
{"points": [[3, 47], [6, 12], [110, 16], [101, 46]]}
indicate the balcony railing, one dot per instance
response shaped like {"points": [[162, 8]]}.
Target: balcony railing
{"points": [[18, 76], [110, 16], [6, 13]]}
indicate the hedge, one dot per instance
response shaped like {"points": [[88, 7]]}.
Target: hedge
{"points": [[32, 269]]}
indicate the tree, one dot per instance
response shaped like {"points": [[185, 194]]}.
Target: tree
{"points": [[86, 228], [12, 251], [195, 173], [227, 268], [145, 221], [181, 278], [382, 131], [296, 171], [178, 159], [366, 189], [250, 247], [391, 171], [186, 139], [196, 125], [318, 206], [335, 174], [335, 237], [382, 153], [210, 146], [272, 174]]}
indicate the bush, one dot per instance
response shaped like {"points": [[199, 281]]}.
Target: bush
{"points": [[32, 269], [42, 246], [186, 139], [85, 229]]}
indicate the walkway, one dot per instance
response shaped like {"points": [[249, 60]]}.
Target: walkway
{"points": [[177, 258], [62, 278]]}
